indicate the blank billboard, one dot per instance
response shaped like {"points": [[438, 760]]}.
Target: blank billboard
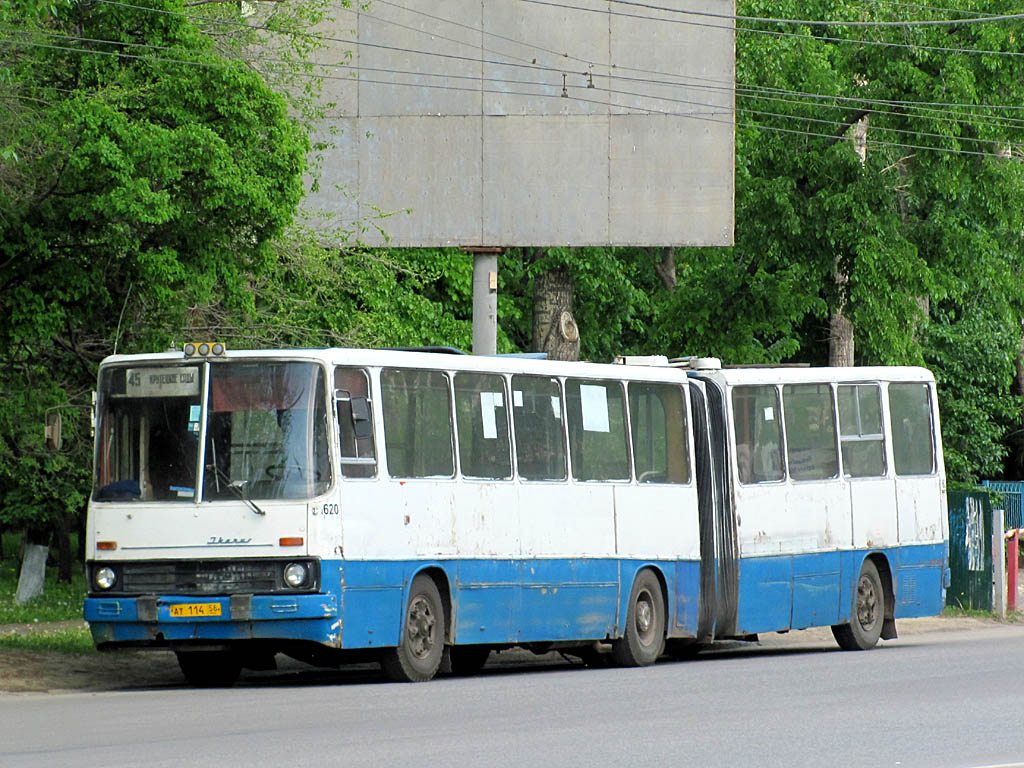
{"points": [[530, 122]]}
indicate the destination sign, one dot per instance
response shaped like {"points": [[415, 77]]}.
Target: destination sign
{"points": [[162, 382]]}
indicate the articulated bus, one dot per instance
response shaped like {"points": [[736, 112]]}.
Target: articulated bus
{"points": [[422, 509]]}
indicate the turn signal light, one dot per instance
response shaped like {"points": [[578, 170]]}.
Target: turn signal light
{"points": [[291, 541], [106, 545]]}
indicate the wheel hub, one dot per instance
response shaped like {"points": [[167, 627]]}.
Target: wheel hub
{"points": [[867, 603], [644, 617], [420, 627]]}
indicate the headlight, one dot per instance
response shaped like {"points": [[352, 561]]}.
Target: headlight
{"points": [[295, 574], [104, 578]]}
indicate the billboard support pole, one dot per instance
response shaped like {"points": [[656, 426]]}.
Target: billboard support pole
{"points": [[485, 300]]}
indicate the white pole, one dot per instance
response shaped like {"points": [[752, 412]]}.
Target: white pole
{"points": [[485, 303], [998, 564]]}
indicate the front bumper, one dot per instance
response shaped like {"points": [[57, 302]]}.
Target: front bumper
{"points": [[147, 620]]}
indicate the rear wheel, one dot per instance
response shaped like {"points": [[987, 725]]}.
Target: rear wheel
{"points": [[644, 639], [419, 651], [867, 613], [210, 669]]}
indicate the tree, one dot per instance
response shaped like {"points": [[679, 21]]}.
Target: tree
{"points": [[925, 231], [144, 170]]}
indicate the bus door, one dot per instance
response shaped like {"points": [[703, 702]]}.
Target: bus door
{"points": [[719, 565], [872, 486], [918, 484]]}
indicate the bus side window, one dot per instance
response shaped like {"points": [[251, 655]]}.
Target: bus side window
{"points": [[355, 422], [657, 418], [481, 415], [810, 431], [910, 414], [417, 423], [537, 417], [597, 430], [860, 430], [758, 434]]}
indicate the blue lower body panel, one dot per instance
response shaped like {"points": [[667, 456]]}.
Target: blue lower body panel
{"points": [[780, 592], [509, 602], [496, 602]]}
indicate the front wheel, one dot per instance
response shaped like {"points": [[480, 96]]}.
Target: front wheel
{"points": [[418, 655], [867, 613], [644, 639]]}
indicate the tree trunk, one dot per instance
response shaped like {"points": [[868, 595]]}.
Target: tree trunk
{"points": [[65, 557], [554, 327], [840, 337], [665, 266], [32, 577], [840, 342]]}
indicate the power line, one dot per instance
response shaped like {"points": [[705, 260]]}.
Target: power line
{"points": [[634, 109], [775, 33], [609, 90], [819, 22], [751, 92], [472, 59], [324, 38]]}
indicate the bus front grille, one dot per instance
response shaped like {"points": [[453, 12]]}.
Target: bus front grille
{"points": [[200, 577]]}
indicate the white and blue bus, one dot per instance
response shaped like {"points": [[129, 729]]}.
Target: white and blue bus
{"points": [[424, 509]]}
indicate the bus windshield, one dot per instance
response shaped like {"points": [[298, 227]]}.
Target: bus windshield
{"points": [[265, 433]]}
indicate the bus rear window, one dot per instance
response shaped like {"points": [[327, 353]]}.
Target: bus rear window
{"points": [[910, 412]]}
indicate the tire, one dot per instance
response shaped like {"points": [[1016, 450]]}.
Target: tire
{"points": [[644, 638], [418, 655], [867, 614], [468, 659], [210, 669]]}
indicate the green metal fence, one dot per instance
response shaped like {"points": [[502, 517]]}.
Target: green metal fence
{"points": [[970, 550]]}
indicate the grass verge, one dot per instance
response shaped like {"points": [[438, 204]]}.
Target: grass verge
{"points": [[59, 602], [956, 612], [63, 640]]}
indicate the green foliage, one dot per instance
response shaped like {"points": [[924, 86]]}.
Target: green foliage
{"points": [[153, 175], [59, 602], [610, 302]]}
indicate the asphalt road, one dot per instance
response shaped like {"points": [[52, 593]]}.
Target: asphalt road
{"points": [[932, 699]]}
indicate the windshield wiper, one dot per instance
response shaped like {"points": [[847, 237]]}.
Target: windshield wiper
{"points": [[237, 487]]}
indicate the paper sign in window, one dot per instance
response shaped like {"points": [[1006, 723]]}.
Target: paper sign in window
{"points": [[769, 414], [594, 401], [517, 398], [556, 406], [488, 402]]}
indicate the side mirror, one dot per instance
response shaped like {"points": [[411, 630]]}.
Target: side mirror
{"points": [[362, 425], [53, 430]]}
